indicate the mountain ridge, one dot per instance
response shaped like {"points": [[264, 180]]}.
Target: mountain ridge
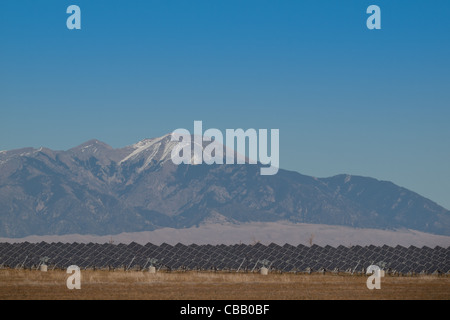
{"points": [[94, 188]]}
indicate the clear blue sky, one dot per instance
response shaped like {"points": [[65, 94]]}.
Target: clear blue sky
{"points": [[346, 99]]}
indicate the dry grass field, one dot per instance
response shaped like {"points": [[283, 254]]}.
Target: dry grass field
{"points": [[119, 285]]}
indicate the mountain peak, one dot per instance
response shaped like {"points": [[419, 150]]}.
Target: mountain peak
{"points": [[152, 150], [91, 144]]}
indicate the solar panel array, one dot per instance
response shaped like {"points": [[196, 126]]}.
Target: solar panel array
{"points": [[239, 257]]}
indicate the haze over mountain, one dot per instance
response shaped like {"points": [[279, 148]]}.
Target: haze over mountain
{"points": [[95, 189]]}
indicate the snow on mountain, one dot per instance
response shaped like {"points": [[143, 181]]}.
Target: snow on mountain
{"points": [[140, 147], [157, 150]]}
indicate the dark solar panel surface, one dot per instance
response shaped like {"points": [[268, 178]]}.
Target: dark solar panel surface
{"points": [[286, 258]]}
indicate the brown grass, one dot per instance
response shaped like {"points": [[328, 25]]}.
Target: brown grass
{"points": [[20, 284]]}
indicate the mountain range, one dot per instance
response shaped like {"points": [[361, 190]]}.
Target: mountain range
{"points": [[96, 189]]}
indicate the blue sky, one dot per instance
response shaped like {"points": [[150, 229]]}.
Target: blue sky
{"points": [[346, 99]]}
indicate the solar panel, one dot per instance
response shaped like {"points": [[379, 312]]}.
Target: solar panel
{"points": [[286, 258]]}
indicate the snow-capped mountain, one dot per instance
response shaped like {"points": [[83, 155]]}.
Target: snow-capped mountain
{"points": [[96, 189]]}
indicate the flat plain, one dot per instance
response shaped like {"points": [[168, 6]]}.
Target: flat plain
{"points": [[137, 285]]}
